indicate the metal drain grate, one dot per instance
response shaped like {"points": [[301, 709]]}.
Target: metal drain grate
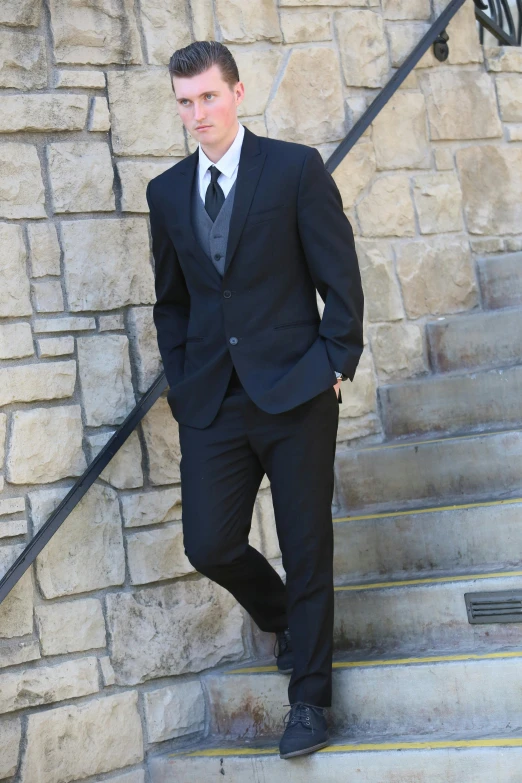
{"points": [[503, 606]]}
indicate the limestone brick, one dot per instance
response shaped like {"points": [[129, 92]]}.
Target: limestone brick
{"points": [[248, 22], [83, 78], [514, 132], [343, 3], [95, 33], [382, 296], [437, 275], [3, 432], [398, 350], [263, 534], [404, 36], [134, 177], [42, 112], [66, 324], [45, 445], [23, 13], [44, 249], [443, 158], [202, 20], [78, 741], [257, 70], [81, 176], [16, 341], [507, 59], [107, 670], [13, 527], [23, 62], [40, 381], [464, 42], [93, 526], [106, 263], [21, 187], [16, 651], [174, 711], [14, 284], [100, 119], [361, 427], [360, 395], [452, 98], [47, 684], [306, 26], [166, 27], [509, 97], [48, 296], [124, 471], [406, 9], [491, 169], [10, 738], [363, 48], [150, 508], [181, 627], [160, 429], [71, 626], [387, 209], [11, 505], [157, 554], [400, 134], [143, 337], [355, 171], [308, 106], [144, 118], [107, 323], [105, 377], [16, 610], [438, 201]]}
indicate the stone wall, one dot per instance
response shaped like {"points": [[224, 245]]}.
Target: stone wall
{"points": [[102, 640]]}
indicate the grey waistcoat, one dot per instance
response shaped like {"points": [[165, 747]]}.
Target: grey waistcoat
{"points": [[212, 237]]}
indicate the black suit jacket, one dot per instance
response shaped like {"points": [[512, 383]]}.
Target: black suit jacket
{"points": [[288, 237]]}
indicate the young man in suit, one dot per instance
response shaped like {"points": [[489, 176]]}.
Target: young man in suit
{"points": [[244, 231]]}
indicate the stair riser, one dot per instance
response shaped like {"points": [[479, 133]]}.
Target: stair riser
{"points": [[477, 765], [488, 339], [436, 473], [501, 280], [454, 403], [380, 700], [425, 618], [395, 547]]}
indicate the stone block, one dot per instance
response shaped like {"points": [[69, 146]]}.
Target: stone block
{"points": [[44, 113], [77, 741], [151, 508], [47, 684], [16, 341], [406, 9], [465, 46], [81, 176], [360, 395], [22, 192], [398, 350], [443, 158], [3, 431], [257, 70], [23, 62], [10, 738], [404, 36], [45, 445], [44, 249], [134, 177], [14, 284], [23, 13], [160, 430], [13, 527], [363, 48], [124, 470], [107, 323], [302, 110], [144, 118], [40, 381], [248, 22], [106, 263], [55, 346], [382, 293], [70, 626], [99, 33], [94, 80], [509, 97], [399, 133], [66, 324], [86, 553], [303, 27], [387, 208], [514, 132], [100, 119], [157, 554], [174, 711], [452, 98], [107, 670], [105, 377], [202, 20], [48, 296], [177, 628], [166, 27], [264, 532], [500, 280], [507, 59], [16, 610], [355, 171], [16, 651], [437, 275], [144, 342], [11, 505], [438, 201], [497, 171]]}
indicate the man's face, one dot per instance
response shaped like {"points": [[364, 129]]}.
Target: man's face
{"points": [[207, 105]]}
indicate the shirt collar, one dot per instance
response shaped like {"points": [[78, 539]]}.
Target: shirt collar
{"points": [[228, 162]]}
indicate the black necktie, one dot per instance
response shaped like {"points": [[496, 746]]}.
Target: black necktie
{"points": [[214, 197]]}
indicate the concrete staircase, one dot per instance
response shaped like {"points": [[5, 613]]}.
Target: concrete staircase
{"points": [[434, 512]]}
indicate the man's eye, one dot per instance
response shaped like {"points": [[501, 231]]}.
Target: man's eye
{"points": [[209, 93]]}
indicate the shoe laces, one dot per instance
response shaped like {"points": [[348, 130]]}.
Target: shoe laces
{"points": [[282, 642], [299, 713]]}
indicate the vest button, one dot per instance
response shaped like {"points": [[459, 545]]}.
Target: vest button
{"points": [[227, 294], [233, 341], [217, 256]]}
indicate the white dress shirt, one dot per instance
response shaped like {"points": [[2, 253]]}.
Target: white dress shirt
{"points": [[228, 165]]}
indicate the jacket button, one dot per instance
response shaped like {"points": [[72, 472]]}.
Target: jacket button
{"points": [[233, 341], [227, 294]]}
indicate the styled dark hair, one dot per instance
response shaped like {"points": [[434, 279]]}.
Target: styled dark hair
{"points": [[201, 55]]}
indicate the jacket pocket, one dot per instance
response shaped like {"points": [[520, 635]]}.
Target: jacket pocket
{"points": [[302, 322]]}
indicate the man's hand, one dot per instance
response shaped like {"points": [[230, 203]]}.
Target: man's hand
{"points": [[337, 387]]}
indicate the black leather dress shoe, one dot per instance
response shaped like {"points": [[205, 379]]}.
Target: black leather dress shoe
{"points": [[306, 730], [284, 654]]}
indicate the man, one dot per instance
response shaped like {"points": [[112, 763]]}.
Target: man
{"points": [[244, 231]]}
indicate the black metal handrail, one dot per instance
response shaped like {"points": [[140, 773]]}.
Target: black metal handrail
{"points": [[499, 22], [78, 490]]}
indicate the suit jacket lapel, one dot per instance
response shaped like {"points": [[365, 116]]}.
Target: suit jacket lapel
{"points": [[251, 162]]}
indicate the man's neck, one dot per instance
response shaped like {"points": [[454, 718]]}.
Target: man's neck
{"points": [[214, 154]]}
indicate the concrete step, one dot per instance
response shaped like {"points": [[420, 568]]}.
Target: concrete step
{"points": [[457, 759], [490, 399], [500, 280], [479, 536], [434, 472], [466, 692], [480, 340]]}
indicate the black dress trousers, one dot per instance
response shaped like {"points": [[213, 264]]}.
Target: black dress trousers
{"points": [[221, 467]]}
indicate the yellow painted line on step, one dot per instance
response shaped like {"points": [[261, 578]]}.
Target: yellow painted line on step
{"points": [[429, 580], [413, 443], [431, 510], [394, 661], [495, 742]]}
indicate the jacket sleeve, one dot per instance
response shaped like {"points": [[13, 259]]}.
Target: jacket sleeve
{"points": [[329, 247], [172, 307]]}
